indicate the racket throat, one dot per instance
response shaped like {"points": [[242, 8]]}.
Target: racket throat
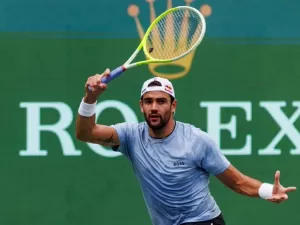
{"points": [[124, 68]]}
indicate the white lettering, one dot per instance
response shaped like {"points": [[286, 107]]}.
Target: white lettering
{"points": [[34, 128], [286, 125], [214, 125]]}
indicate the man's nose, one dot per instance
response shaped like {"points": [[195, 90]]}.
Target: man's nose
{"points": [[154, 106]]}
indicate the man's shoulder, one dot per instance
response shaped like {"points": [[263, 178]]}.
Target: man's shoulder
{"points": [[131, 126], [188, 128], [192, 132]]}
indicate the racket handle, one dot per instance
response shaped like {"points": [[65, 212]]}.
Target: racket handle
{"points": [[113, 74]]}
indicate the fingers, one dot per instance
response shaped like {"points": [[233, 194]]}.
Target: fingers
{"points": [[277, 176], [278, 186], [94, 83], [98, 82], [289, 189], [278, 198], [106, 72], [279, 192], [99, 78]]}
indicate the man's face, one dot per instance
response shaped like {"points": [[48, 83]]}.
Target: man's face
{"points": [[157, 109]]}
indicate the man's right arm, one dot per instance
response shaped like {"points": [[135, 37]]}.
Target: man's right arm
{"points": [[88, 131], [86, 128]]}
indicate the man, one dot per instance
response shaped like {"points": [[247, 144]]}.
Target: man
{"points": [[171, 160]]}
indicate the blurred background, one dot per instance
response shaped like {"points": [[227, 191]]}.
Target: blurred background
{"points": [[241, 86]]}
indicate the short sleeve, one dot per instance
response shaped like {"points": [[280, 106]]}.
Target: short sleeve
{"points": [[210, 157], [125, 133]]}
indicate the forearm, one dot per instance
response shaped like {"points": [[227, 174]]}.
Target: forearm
{"points": [[84, 127], [88, 131], [86, 124], [247, 186], [239, 182]]}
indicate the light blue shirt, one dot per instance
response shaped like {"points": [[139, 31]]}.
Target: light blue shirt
{"points": [[173, 172]]}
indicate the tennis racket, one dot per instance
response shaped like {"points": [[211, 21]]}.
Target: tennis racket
{"points": [[171, 36]]}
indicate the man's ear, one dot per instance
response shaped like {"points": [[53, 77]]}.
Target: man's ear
{"points": [[141, 106], [174, 105]]}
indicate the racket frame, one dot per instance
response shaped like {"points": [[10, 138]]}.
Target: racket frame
{"points": [[142, 44], [127, 65]]}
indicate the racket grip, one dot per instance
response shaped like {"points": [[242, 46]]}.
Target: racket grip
{"points": [[113, 74]]}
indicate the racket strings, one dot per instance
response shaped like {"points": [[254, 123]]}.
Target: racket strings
{"points": [[174, 34]]}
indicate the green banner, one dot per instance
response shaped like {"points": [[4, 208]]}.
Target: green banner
{"points": [[245, 96]]}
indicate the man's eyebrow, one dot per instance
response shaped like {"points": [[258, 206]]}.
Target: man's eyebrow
{"points": [[161, 98]]}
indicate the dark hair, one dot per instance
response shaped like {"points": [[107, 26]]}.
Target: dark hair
{"points": [[154, 83], [157, 83]]}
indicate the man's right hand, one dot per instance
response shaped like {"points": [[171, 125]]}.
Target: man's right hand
{"points": [[94, 82]]}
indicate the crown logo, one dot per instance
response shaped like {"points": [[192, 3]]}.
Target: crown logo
{"points": [[182, 65]]}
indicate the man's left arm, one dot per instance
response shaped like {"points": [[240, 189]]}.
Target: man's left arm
{"points": [[251, 187], [211, 158]]}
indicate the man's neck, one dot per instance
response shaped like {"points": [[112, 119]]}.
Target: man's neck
{"points": [[165, 131]]}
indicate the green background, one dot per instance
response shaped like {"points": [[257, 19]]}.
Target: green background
{"points": [[52, 66]]}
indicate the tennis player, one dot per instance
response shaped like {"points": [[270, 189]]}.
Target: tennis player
{"points": [[171, 160]]}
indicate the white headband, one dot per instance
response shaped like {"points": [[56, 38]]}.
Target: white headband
{"points": [[166, 86]]}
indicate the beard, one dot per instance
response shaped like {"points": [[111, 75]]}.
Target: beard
{"points": [[157, 125]]}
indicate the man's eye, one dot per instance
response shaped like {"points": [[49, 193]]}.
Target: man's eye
{"points": [[161, 101]]}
